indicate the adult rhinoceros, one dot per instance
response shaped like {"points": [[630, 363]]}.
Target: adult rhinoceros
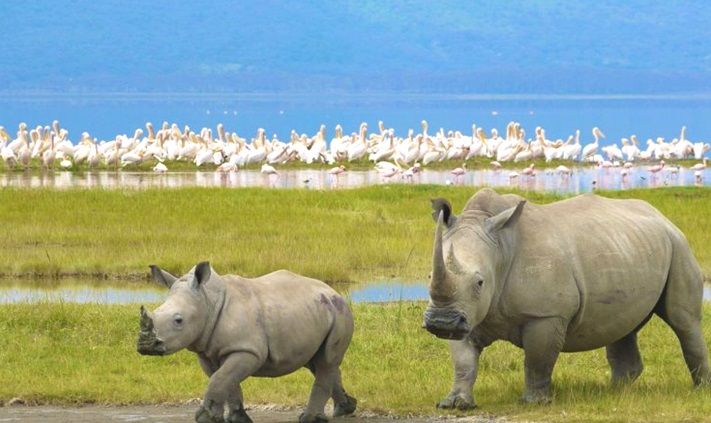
{"points": [[574, 275], [269, 326]]}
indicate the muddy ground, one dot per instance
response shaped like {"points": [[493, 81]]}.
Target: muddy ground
{"points": [[184, 414]]}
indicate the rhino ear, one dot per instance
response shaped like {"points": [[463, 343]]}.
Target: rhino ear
{"points": [[161, 276], [202, 273], [442, 205], [504, 219]]}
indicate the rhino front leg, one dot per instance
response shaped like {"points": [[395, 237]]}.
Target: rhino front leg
{"points": [[221, 389], [465, 358], [542, 342], [235, 407]]}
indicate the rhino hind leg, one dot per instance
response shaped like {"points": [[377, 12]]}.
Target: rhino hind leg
{"points": [[681, 308], [321, 391], [693, 345], [625, 360], [343, 404], [325, 366]]}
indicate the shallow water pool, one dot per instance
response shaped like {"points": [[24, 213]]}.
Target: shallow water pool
{"points": [[581, 180]]}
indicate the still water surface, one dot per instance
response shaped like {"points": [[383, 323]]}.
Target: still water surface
{"points": [[581, 180]]}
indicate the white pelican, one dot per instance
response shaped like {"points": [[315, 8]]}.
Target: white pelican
{"points": [[631, 150], [590, 149], [160, 168], [269, 170], [386, 167], [699, 166]]}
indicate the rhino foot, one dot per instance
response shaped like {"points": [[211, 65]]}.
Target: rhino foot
{"points": [[540, 398], [203, 415], [238, 416], [318, 418], [345, 408], [458, 402]]}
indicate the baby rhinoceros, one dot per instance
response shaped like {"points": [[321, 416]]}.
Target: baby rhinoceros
{"points": [[268, 326]]}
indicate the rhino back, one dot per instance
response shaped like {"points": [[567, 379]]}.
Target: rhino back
{"points": [[283, 315], [602, 264]]}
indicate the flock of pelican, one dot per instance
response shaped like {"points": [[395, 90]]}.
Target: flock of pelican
{"points": [[392, 155]]}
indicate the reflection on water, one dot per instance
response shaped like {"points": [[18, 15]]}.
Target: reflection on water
{"points": [[388, 291], [581, 179], [134, 293]]}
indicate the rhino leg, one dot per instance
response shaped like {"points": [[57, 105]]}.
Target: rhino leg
{"points": [[688, 330], [327, 376], [324, 381], [235, 407], [465, 358], [543, 340], [343, 404], [625, 360], [221, 389], [681, 308]]}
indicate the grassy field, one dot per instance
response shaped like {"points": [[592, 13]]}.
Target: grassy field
{"points": [[68, 353], [367, 234]]}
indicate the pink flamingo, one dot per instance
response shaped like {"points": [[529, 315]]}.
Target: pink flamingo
{"points": [[337, 170], [459, 172], [529, 170], [656, 168]]}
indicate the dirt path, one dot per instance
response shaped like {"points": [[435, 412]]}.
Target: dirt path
{"points": [[180, 414]]}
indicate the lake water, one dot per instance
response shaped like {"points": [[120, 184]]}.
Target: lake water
{"points": [[103, 292], [618, 116], [581, 180]]}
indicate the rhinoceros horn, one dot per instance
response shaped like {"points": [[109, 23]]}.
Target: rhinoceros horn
{"points": [[441, 286], [146, 321]]}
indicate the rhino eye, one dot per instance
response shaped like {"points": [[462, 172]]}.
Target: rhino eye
{"points": [[480, 282], [178, 320]]}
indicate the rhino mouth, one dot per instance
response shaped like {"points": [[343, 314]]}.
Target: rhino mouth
{"points": [[149, 344], [446, 323]]}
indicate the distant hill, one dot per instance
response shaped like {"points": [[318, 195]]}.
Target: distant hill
{"points": [[545, 46]]}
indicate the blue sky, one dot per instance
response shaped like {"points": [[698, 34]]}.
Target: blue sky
{"points": [[228, 46]]}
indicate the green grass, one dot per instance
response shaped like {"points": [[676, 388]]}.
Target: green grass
{"points": [[35, 165], [69, 353], [358, 235]]}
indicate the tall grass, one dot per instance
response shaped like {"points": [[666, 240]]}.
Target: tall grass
{"points": [[69, 353], [363, 234]]}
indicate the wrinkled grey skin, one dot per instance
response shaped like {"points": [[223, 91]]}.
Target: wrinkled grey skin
{"points": [[268, 326], [575, 275]]}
